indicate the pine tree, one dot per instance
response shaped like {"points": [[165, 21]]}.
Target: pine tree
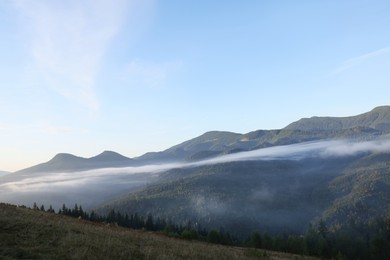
{"points": [[64, 209], [50, 209], [255, 240], [149, 223]]}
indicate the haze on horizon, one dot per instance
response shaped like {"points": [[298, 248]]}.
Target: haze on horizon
{"points": [[143, 75]]}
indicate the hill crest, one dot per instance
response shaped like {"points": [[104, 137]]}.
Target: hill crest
{"points": [[378, 118], [365, 126]]}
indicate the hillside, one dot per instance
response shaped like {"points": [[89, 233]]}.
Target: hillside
{"points": [[365, 126], [2, 173], [31, 234], [269, 180], [271, 195], [378, 119]]}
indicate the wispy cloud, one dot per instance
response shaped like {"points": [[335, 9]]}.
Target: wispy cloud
{"points": [[68, 41], [350, 63]]}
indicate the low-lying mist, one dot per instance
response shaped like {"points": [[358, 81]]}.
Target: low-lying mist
{"points": [[93, 187]]}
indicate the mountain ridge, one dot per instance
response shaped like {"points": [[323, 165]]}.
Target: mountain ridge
{"points": [[70, 162], [365, 126], [335, 174], [378, 118], [2, 173]]}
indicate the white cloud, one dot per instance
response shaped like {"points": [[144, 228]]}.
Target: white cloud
{"points": [[68, 41], [348, 64]]}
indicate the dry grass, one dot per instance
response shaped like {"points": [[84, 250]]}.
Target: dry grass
{"points": [[29, 234]]}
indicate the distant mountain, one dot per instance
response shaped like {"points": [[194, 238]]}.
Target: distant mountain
{"points": [[108, 158], [366, 126], [68, 162], [2, 173], [339, 184], [378, 119], [277, 194]]}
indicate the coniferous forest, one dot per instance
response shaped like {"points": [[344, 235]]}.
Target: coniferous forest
{"points": [[354, 241]]}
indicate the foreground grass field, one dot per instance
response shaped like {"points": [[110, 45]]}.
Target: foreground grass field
{"points": [[31, 234]]}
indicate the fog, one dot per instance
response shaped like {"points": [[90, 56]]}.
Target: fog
{"points": [[300, 151], [92, 187]]}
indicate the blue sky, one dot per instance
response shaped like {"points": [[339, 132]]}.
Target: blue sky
{"points": [[137, 76]]}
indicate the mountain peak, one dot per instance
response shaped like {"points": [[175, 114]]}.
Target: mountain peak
{"points": [[378, 118], [109, 153], [218, 135], [64, 157], [382, 109], [109, 156]]}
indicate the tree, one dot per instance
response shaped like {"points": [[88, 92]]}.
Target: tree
{"points": [[111, 217], [322, 228], [75, 211], [81, 212], [380, 248], [189, 234], [267, 241], [50, 209], [256, 240], [64, 209], [93, 216], [213, 236], [149, 223]]}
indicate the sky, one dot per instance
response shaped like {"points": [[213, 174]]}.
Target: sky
{"points": [[134, 76]]}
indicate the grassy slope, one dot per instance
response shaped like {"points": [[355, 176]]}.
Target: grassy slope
{"points": [[30, 234]]}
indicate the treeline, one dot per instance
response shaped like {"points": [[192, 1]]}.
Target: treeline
{"points": [[354, 241]]}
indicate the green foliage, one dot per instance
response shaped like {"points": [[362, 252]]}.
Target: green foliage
{"points": [[213, 237], [356, 241], [256, 240], [190, 234], [34, 234]]}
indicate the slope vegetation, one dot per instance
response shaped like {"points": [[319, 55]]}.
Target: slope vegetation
{"points": [[31, 234], [274, 195]]}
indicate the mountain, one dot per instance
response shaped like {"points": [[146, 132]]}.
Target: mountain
{"points": [[109, 159], [68, 162], [2, 173], [211, 143], [320, 168], [378, 119], [272, 195], [366, 126]]}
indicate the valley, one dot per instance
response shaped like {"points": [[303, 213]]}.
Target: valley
{"points": [[316, 170]]}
